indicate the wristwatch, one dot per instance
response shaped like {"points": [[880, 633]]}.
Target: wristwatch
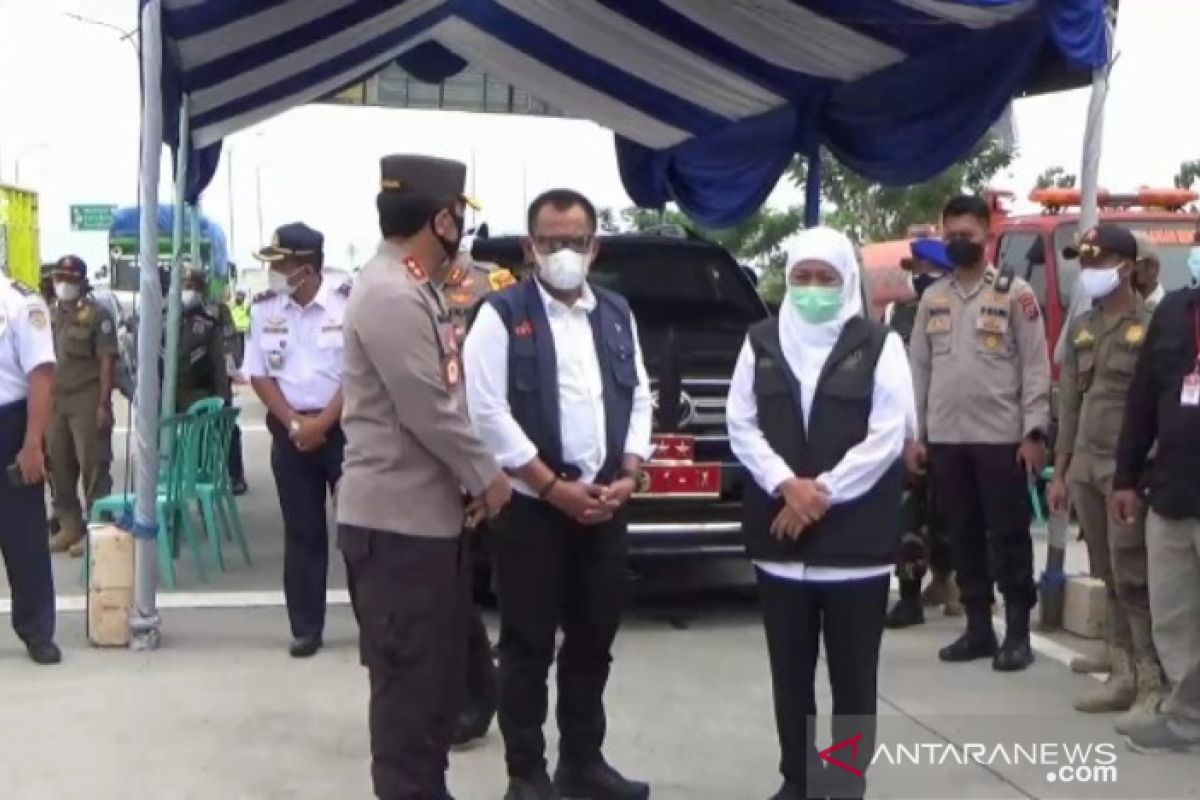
{"points": [[294, 425]]}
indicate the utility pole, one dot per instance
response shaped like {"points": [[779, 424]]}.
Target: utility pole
{"points": [[229, 182]]}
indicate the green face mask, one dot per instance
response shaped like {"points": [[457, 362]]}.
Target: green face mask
{"points": [[816, 304]]}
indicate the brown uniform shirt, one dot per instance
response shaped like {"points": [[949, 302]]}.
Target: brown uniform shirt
{"points": [[468, 283], [981, 373], [1098, 362], [84, 332], [410, 448]]}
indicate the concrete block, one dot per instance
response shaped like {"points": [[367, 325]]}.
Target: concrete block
{"points": [[110, 586], [1085, 608]]}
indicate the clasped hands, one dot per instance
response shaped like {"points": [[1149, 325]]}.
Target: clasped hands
{"points": [[805, 502]]}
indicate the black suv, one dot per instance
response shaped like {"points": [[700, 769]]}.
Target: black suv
{"points": [[693, 304]]}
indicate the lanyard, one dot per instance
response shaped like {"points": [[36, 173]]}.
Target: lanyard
{"points": [[1196, 328]]}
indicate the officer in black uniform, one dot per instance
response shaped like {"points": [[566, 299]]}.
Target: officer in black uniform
{"points": [[925, 544], [469, 282], [26, 396]]}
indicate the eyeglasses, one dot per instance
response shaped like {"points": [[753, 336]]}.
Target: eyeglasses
{"points": [[549, 245]]}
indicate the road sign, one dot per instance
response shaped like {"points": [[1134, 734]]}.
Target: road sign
{"points": [[91, 217]]}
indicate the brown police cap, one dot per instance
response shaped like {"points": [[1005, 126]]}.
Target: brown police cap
{"points": [[438, 179]]}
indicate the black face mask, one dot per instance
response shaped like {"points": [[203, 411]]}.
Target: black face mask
{"points": [[922, 282], [449, 245], [964, 252]]}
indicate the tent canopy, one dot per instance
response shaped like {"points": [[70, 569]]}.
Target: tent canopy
{"points": [[709, 100]]}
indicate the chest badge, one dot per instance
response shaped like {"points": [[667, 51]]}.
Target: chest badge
{"points": [[991, 342], [1085, 339], [275, 359], [1134, 334]]}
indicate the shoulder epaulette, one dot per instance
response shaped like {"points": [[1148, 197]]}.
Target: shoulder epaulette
{"points": [[1004, 280], [21, 288], [501, 278], [261, 296]]}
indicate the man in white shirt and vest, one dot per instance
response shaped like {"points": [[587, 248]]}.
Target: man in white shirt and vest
{"points": [[557, 389], [294, 361]]}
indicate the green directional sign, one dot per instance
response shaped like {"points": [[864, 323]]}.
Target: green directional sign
{"points": [[92, 217]]}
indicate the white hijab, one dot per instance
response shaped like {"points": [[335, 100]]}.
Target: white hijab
{"points": [[807, 346]]}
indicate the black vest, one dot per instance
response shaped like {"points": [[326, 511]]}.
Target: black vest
{"points": [[860, 533], [533, 373]]}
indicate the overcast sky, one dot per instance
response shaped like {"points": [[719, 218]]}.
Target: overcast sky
{"points": [[69, 123]]}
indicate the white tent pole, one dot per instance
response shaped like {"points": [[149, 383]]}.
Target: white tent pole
{"points": [[1093, 141], [174, 306], [144, 619]]}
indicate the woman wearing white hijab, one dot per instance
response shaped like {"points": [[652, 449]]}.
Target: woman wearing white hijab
{"points": [[818, 409]]}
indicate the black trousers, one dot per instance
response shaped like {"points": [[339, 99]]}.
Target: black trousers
{"points": [[553, 572], [984, 494], [849, 615], [23, 538], [412, 600], [304, 482], [481, 680], [237, 469]]}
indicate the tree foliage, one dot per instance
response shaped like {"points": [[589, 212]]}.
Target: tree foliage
{"points": [[1188, 175], [1055, 178], [870, 212]]}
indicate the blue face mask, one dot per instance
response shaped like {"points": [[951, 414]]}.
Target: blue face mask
{"points": [[1194, 263]]}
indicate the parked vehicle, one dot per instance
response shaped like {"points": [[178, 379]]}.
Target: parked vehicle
{"points": [[19, 235]]}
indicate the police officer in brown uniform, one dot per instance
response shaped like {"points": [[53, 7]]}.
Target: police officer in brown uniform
{"points": [[982, 382], [411, 455], [468, 283], [1101, 352], [80, 433]]}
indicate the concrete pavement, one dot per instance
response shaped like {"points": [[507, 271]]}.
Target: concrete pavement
{"points": [[221, 711]]}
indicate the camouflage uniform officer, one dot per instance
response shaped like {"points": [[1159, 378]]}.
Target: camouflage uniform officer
{"points": [[468, 283], [202, 370], [80, 433], [1102, 349], [924, 545]]}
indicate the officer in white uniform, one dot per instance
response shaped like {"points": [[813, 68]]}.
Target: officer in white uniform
{"points": [[294, 362], [26, 389]]}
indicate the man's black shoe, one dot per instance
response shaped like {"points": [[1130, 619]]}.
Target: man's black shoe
{"points": [[471, 726], [239, 487], [536, 787], [789, 791], [44, 652], [979, 641], [305, 646], [906, 613], [597, 781], [1015, 654]]}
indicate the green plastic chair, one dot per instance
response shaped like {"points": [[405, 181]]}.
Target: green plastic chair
{"points": [[175, 494], [214, 490]]}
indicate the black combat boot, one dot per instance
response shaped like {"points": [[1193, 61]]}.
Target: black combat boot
{"points": [[907, 611], [979, 640], [1015, 654]]}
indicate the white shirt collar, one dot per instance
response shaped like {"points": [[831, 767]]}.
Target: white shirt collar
{"points": [[555, 307]]}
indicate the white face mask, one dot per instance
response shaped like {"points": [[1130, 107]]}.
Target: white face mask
{"points": [[278, 283], [66, 291], [564, 270], [189, 298], [1098, 283]]}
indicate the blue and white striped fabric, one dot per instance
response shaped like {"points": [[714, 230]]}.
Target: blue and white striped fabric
{"points": [[709, 99]]}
